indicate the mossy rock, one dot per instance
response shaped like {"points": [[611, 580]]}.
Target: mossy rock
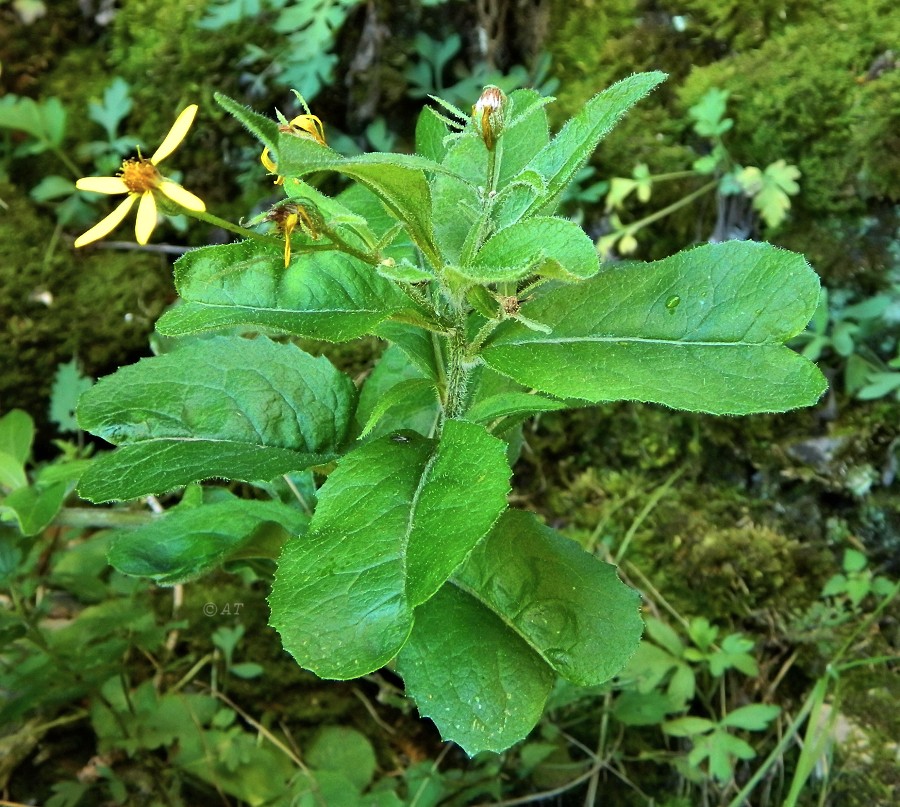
{"points": [[806, 96], [56, 303]]}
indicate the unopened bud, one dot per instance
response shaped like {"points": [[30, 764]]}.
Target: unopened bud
{"points": [[488, 114]]}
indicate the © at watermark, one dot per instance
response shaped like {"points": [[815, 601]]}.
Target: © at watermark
{"points": [[226, 609]]}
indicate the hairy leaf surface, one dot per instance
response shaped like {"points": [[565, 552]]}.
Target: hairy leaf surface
{"points": [[225, 407], [702, 331], [394, 520]]}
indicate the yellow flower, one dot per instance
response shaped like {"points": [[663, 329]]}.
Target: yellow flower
{"points": [[140, 179], [287, 216], [308, 126]]}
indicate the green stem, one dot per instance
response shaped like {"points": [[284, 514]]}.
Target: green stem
{"points": [[86, 517], [480, 338], [672, 175], [211, 218], [457, 373], [632, 228], [67, 162], [366, 257]]}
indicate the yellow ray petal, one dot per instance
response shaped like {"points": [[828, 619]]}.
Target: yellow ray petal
{"points": [[181, 196], [266, 160], [105, 226], [176, 134], [146, 218], [102, 185]]}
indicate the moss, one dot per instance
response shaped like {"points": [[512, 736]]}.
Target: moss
{"points": [[101, 305], [803, 96]]}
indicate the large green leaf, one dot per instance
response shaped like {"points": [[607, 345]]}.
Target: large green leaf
{"points": [[480, 683], [702, 331], [321, 295], [543, 245], [570, 607], [526, 604], [565, 154], [394, 520], [189, 541], [224, 407]]}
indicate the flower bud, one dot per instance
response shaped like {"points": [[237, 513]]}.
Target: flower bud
{"points": [[488, 114]]}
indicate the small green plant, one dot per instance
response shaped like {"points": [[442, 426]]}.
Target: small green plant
{"points": [[768, 190], [495, 309], [667, 675], [32, 497], [855, 582], [308, 29], [45, 123], [863, 337]]}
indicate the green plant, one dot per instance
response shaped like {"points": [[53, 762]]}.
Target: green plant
{"points": [[665, 677], [45, 123], [32, 499], [864, 337], [856, 581], [307, 28], [768, 190], [496, 309], [427, 72]]}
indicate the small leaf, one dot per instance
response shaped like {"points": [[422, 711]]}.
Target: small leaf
{"points": [[511, 403], [16, 435], [687, 726], [641, 708], [115, 107], [418, 410], [35, 507], [246, 669], [343, 750], [68, 385], [12, 472], [543, 245], [398, 395], [188, 542], [854, 561], [755, 717]]}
